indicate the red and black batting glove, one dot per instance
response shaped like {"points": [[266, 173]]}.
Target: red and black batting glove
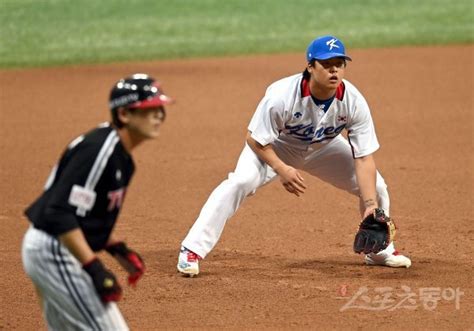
{"points": [[104, 281], [130, 260]]}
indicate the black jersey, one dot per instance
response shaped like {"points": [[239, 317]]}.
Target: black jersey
{"points": [[86, 188]]}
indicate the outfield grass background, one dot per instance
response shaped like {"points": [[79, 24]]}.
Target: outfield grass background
{"points": [[58, 32]]}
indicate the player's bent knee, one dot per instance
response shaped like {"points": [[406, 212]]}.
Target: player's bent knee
{"points": [[244, 182]]}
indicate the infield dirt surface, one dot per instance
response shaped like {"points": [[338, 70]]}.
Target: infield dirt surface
{"points": [[283, 262]]}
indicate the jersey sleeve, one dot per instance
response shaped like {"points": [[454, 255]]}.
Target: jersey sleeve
{"points": [[68, 193], [361, 131], [267, 121]]}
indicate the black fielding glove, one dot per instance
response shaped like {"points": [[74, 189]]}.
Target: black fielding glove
{"points": [[130, 260], [375, 233], [104, 281]]}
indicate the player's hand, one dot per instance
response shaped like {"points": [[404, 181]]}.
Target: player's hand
{"points": [[104, 281], [292, 180], [368, 211], [130, 260]]}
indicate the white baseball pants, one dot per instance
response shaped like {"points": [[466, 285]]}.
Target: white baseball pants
{"points": [[69, 298], [332, 163]]}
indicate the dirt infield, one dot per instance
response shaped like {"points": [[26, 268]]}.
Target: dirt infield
{"points": [[282, 262]]}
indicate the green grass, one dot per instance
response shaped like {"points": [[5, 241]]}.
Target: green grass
{"points": [[58, 32]]}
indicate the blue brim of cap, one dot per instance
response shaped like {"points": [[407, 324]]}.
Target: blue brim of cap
{"points": [[331, 55]]}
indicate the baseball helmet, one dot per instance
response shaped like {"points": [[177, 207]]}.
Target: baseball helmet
{"points": [[138, 91], [326, 47]]}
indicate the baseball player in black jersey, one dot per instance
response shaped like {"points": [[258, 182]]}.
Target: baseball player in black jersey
{"points": [[74, 217]]}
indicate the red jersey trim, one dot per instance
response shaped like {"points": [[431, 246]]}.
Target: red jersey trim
{"points": [[305, 91], [340, 91]]}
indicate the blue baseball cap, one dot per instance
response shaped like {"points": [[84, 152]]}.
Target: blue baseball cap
{"points": [[326, 47]]}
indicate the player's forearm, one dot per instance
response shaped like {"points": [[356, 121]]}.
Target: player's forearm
{"points": [[366, 174], [266, 153], [76, 243], [112, 240]]}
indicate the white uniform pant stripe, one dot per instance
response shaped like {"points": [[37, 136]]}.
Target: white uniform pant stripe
{"points": [[71, 287]]}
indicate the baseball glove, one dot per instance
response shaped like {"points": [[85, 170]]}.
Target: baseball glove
{"points": [[375, 233]]}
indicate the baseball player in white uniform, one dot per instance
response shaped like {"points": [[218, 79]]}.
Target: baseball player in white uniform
{"points": [[298, 125]]}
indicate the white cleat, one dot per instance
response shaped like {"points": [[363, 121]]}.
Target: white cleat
{"points": [[188, 262], [394, 260]]}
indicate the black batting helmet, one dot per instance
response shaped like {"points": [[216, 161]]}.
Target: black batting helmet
{"points": [[138, 91]]}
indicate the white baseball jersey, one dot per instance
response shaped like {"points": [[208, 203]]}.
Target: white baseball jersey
{"points": [[287, 114]]}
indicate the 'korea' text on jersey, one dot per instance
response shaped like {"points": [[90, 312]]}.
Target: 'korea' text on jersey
{"points": [[287, 114]]}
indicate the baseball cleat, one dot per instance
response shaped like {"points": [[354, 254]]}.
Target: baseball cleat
{"points": [[394, 260], [188, 262]]}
